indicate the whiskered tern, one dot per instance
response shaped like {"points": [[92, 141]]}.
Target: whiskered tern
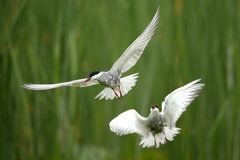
{"points": [[159, 127], [114, 85]]}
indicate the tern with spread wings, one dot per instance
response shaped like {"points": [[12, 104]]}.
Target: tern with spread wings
{"points": [[114, 85], [158, 127]]}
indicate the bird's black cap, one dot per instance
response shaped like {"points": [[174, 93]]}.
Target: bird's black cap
{"points": [[93, 73], [154, 106]]}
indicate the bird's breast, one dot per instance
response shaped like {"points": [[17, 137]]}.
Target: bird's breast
{"points": [[155, 124]]}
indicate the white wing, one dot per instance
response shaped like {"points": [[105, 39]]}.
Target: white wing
{"points": [[75, 83], [177, 101], [129, 122], [135, 50]]}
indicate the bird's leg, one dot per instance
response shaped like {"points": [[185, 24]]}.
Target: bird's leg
{"points": [[166, 140], [155, 143], [120, 91], [116, 93]]}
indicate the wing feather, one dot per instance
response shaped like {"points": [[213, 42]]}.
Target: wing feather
{"points": [[176, 102], [129, 122], [131, 55], [75, 83]]}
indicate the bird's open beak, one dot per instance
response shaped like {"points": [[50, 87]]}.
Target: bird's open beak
{"points": [[89, 78]]}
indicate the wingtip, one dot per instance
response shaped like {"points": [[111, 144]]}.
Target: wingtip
{"points": [[198, 80], [26, 86], [158, 9], [196, 84]]}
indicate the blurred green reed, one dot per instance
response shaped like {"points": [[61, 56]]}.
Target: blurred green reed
{"points": [[55, 41]]}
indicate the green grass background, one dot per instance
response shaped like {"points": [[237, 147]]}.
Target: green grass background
{"points": [[55, 41]]}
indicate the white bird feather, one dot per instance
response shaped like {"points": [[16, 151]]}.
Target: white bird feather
{"points": [[75, 83], [131, 55], [175, 103]]}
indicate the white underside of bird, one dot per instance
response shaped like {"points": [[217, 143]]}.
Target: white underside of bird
{"points": [[159, 127], [114, 85]]}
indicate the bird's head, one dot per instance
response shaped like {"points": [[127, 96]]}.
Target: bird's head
{"points": [[92, 75], [154, 108]]}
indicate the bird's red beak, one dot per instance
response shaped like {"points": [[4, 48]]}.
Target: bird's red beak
{"points": [[88, 79], [153, 107]]}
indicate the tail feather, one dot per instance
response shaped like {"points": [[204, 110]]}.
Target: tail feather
{"points": [[150, 141], [106, 93], [126, 84], [160, 138], [147, 141]]}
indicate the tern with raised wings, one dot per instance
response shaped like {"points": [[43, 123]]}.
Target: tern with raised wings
{"points": [[159, 127], [114, 85]]}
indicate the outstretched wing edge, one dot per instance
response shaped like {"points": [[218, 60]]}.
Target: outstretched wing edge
{"points": [[177, 101], [75, 83], [131, 55]]}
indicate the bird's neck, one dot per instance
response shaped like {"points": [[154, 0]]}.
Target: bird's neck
{"points": [[155, 113]]}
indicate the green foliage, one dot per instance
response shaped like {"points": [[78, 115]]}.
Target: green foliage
{"points": [[55, 41]]}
